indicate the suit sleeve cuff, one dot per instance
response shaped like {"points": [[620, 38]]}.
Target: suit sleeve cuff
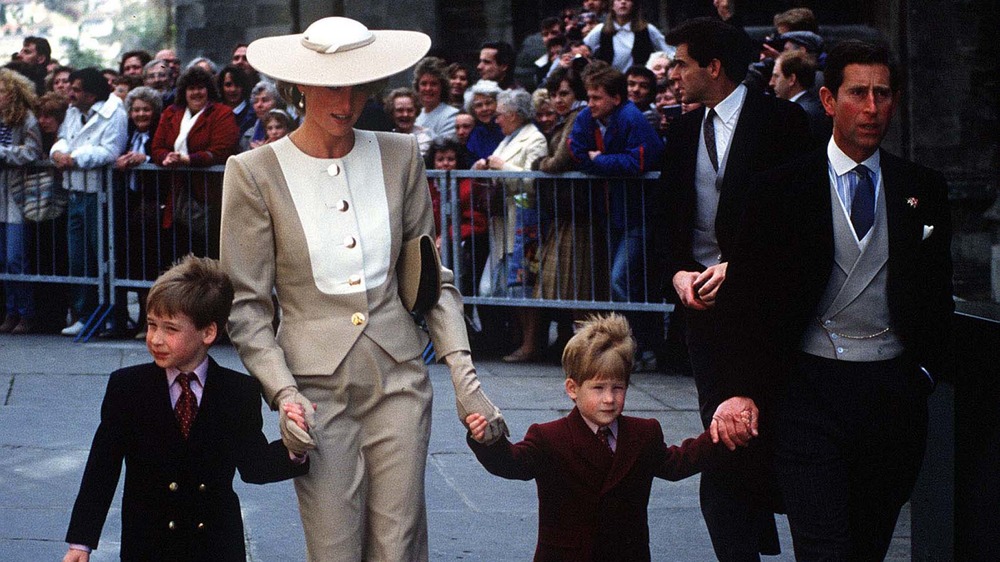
{"points": [[82, 547]]}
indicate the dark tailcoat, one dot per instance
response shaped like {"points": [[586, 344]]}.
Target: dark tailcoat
{"points": [[820, 124], [782, 262], [178, 502], [592, 504]]}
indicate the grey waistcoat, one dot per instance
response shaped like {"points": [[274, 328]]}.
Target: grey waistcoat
{"points": [[852, 321]]}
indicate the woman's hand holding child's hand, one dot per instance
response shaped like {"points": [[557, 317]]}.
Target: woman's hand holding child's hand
{"points": [[477, 426]]}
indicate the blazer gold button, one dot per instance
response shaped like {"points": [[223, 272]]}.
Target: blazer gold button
{"points": [[358, 319], [342, 206], [333, 170], [173, 487], [350, 242], [354, 280], [172, 526], [201, 487], [201, 526]]}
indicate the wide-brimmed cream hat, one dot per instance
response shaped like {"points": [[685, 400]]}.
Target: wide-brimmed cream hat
{"points": [[337, 52]]}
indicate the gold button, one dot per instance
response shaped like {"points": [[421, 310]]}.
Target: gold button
{"points": [[173, 487], [354, 280], [350, 242], [334, 169], [342, 206], [201, 526], [172, 526], [201, 487], [358, 319]]}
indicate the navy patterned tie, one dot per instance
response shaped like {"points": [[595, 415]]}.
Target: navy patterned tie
{"points": [[713, 152], [187, 404], [604, 435], [863, 204]]}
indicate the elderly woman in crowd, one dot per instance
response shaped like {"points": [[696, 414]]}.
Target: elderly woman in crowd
{"points": [[545, 115], [196, 131], [20, 143], [401, 106], [320, 218], [264, 97], [235, 86], [205, 63], [625, 38], [142, 251], [430, 81], [458, 83], [514, 235], [659, 63], [486, 135]]}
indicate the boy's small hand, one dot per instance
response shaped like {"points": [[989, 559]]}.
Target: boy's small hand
{"points": [[477, 426], [74, 555], [297, 414]]}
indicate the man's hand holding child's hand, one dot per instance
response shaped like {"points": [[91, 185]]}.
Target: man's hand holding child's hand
{"points": [[477, 426], [735, 422]]}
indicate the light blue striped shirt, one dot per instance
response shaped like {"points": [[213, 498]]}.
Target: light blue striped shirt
{"points": [[845, 181]]}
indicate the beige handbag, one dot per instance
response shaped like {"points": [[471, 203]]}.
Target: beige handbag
{"points": [[418, 272]]}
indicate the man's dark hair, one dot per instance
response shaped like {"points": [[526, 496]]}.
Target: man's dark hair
{"points": [[195, 76], [853, 51], [801, 65], [42, 46], [93, 82], [797, 19], [710, 38], [549, 22], [639, 70], [505, 53], [143, 56], [240, 77]]}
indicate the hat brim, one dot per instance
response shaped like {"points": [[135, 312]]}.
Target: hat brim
{"points": [[285, 58]]}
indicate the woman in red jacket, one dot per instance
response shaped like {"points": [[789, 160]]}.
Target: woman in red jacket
{"points": [[195, 132]]}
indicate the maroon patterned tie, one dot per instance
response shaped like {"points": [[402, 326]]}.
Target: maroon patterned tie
{"points": [[187, 405], [604, 435]]}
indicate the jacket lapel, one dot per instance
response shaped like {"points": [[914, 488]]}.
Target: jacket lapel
{"points": [[626, 453], [596, 461]]}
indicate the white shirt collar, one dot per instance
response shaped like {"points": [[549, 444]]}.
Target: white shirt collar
{"points": [[797, 96], [843, 163], [729, 107], [626, 27], [201, 371], [613, 426]]}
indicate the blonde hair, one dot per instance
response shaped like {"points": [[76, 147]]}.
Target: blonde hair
{"points": [[22, 93], [602, 348]]}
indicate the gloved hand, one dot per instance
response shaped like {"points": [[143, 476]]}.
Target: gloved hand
{"points": [[470, 398], [293, 436]]}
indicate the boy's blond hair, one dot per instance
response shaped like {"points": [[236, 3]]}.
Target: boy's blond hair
{"points": [[195, 287], [602, 348]]}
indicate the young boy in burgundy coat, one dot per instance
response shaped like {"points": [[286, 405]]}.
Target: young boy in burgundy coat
{"points": [[594, 468]]}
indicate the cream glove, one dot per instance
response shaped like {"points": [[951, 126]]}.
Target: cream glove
{"points": [[294, 438], [470, 398]]}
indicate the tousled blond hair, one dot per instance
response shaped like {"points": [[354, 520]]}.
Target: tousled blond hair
{"points": [[602, 348]]}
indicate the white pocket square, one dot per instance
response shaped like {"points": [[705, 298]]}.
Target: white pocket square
{"points": [[928, 230]]}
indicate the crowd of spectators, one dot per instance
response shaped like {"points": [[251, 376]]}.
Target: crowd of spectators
{"points": [[603, 105]]}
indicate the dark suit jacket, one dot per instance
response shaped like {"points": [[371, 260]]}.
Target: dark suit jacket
{"points": [[769, 132], [782, 261], [820, 124], [592, 504], [172, 482]]}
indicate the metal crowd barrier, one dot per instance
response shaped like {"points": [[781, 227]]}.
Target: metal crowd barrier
{"points": [[149, 217]]}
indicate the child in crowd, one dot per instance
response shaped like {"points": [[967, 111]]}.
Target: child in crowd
{"points": [[182, 424], [277, 124], [594, 468]]}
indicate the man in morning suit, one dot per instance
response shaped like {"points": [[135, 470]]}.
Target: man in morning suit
{"points": [[183, 425], [839, 289], [710, 157], [793, 79]]}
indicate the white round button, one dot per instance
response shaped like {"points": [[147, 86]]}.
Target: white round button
{"points": [[334, 169], [350, 242]]}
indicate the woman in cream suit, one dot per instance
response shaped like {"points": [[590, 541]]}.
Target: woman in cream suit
{"points": [[319, 219], [522, 145]]}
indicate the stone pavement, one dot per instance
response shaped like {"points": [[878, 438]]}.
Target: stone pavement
{"points": [[50, 395]]}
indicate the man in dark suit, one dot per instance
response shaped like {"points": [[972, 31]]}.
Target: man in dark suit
{"points": [[183, 425], [793, 79], [710, 156], [838, 302], [594, 468]]}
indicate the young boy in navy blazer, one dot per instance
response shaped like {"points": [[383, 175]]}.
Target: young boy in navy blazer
{"points": [[594, 468], [181, 443]]}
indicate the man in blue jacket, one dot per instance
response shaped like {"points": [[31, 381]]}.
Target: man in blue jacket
{"points": [[611, 137]]}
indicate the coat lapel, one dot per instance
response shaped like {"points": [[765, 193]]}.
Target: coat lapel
{"points": [[596, 459], [626, 453]]}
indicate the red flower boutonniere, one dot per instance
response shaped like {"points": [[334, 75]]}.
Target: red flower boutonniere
{"points": [[913, 202]]}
